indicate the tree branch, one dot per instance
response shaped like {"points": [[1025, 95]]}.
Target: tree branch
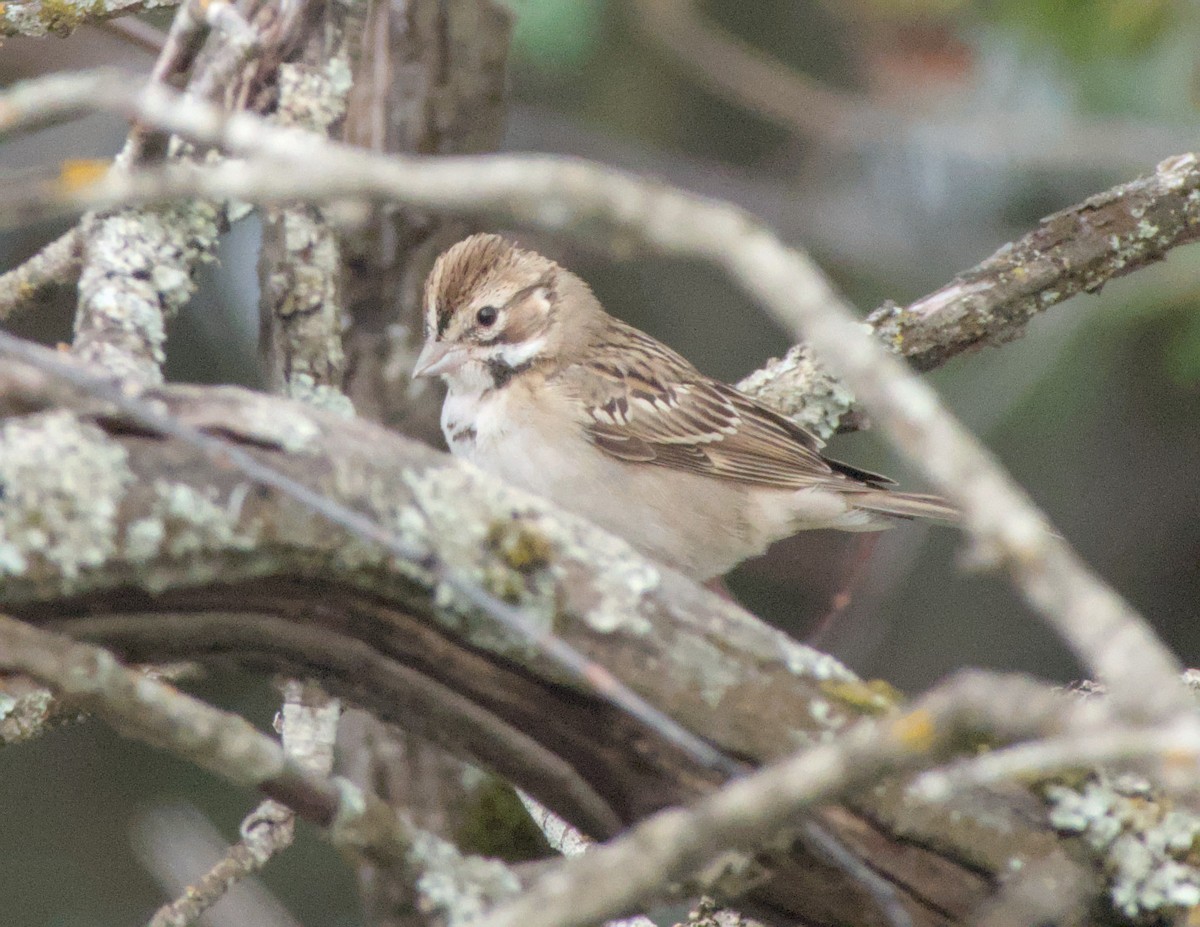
{"points": [[577, 198], [308, 727], [38, 18], [57, 264], [171, 557], [228, 746], [758, 810]]}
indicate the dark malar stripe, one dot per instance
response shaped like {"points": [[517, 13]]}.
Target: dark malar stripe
{"points": [[503, 372]]}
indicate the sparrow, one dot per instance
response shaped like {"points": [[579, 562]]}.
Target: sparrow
{"points": [[552, 394]]}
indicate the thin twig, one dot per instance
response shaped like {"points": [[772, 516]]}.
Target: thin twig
{"points": [[308, 726], [57, 264], [266, 831], [1172, 750]]}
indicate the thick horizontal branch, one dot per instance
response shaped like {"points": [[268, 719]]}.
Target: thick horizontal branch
{"points": [[165, 556]]}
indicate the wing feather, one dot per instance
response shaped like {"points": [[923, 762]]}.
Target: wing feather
{"points": [[648, 404]]}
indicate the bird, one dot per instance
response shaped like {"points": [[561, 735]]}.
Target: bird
{"points": [[552, 394]]}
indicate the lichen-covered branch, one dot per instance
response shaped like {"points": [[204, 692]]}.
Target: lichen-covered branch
{"points": [[38, 18], [584, 199], [1074, 251], [137, 273], [430, 78], [28, 710], [303, 319], [171, 556], [57, 264]]}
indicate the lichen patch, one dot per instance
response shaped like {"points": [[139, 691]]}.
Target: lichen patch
{"points": [[512, 544], [1146, 846], [185, 520], [61, 486]]}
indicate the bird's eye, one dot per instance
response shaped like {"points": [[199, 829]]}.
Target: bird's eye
{"points": [[487, 316]]}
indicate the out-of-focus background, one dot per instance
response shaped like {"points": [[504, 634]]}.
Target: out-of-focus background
{"points": [[899, 141]]}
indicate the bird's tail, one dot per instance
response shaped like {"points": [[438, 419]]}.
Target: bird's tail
{"points": [[905, 505]]}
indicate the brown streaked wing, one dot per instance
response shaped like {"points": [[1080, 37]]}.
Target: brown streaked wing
{"points": [[647, 404]]}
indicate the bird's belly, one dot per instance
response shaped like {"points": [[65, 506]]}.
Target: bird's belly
{"points": [[692, 523]]}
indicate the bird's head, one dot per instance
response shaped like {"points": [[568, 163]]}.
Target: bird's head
{"points": [[492, 310]]}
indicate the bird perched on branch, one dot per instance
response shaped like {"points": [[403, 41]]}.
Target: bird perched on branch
{"points": [[554, 395]]}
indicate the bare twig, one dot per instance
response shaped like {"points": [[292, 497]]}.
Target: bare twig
{"points": [[265, 832], [308, 725], [569, 842], [1009, 532], [57, 264], [1171, 752], [175, 839]]}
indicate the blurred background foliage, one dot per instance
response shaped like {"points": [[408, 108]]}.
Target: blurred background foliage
{"points": [[989, 114]]}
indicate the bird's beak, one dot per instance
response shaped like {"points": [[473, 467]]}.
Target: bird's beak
{"points": [[438, 357]]}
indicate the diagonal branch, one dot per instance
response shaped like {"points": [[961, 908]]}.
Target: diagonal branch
{"points": [[308, 727], [57, 264], [230, 747], [758, 809]]}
